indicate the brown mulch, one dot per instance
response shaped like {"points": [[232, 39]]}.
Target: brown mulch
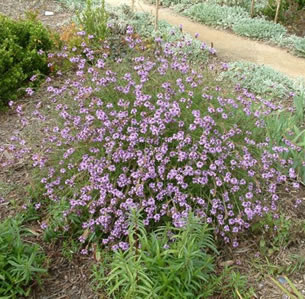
{"points": [[66, 278], [18, 8]]}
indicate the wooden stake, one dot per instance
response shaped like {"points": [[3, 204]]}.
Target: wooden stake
{"points": [[252, 8], [157, 15], [132, 5], [277, 10]]}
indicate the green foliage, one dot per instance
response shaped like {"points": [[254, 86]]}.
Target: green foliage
{"points": [[20, 42], [287, 7], [168, 263], [55, 220], [73, 4], [270, 9], [233, 284], [274, 233], [259, 28], [20, 263], [94, 19], [70, 248]]}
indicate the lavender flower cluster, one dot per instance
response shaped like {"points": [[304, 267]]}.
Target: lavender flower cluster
{"points": [[146, 132]]}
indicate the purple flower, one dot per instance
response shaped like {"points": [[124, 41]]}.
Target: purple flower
{"points": [[29, 91]]}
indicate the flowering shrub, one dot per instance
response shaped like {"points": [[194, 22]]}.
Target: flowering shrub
{"points": [[22, 55], [150, 132]]}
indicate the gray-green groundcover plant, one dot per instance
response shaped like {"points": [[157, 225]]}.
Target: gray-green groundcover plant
{"points": [[259, 28], [261, 80]]}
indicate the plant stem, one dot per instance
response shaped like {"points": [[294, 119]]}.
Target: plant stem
{"points": [[277, 10]]}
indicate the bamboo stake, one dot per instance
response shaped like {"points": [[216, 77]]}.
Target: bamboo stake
{"points": [[157, 15], [132, 5], [252, 8], [277, 10]]}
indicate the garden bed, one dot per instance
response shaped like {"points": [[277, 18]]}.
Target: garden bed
{"points": [[69, 95]]}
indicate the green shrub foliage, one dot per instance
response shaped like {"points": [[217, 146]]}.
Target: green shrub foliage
{"points": [[23, 53]]}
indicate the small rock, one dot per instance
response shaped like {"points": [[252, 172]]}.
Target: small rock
{"points": [[285, 296], [260, 286], [227, 263], [281, 280], [49, 13]]}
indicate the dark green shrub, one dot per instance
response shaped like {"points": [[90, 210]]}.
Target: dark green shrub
{"points": [[20, 262], [23, 47]]}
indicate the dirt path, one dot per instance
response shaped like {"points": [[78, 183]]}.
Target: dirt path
{"points": [[229, 46]]}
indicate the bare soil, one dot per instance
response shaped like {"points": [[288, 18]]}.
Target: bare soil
{"points": [[18, 8]]}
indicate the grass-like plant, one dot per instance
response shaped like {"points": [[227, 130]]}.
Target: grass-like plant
{"points": [[168, 263], [287, 127], [93, 19], [20, 262]]}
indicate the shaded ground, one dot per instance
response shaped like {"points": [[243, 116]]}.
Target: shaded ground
{"points": [[230, 46]]}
